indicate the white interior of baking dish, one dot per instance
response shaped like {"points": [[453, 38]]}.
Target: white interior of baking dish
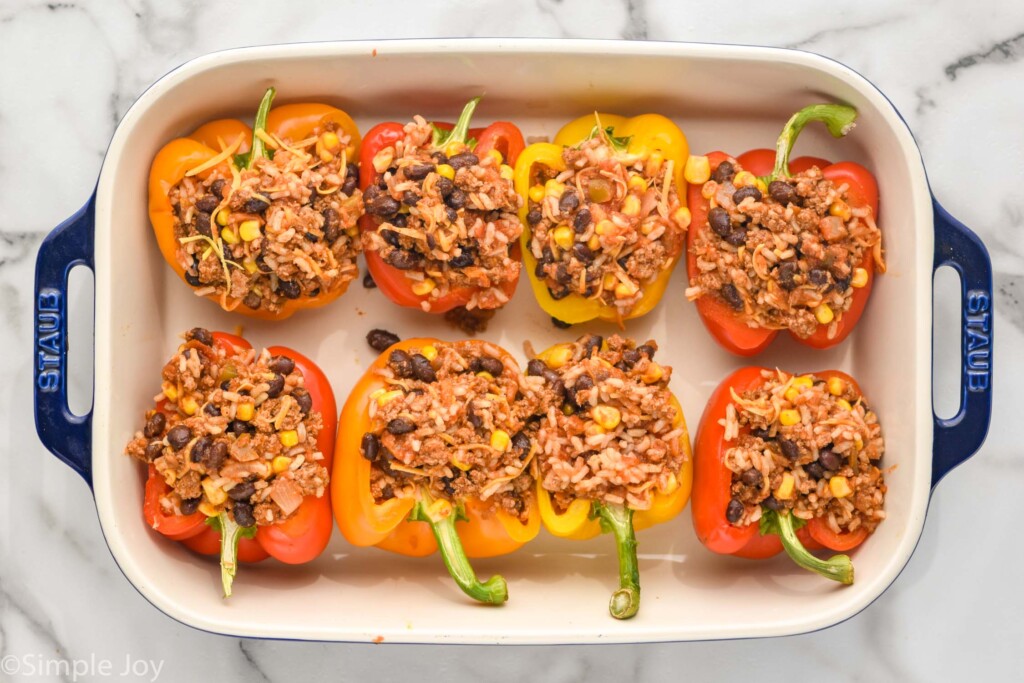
{"points": [[730, 98]]}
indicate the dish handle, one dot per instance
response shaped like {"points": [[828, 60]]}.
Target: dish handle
{"points": [[959, 437], [66, 435]]}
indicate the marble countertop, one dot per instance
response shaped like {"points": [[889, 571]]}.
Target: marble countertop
{"points": [[68, 72]]}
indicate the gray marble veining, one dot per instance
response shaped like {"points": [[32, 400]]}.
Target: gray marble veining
{"points": [[69, 71]]}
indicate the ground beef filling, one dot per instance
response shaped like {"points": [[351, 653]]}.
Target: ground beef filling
{"points": [[234, 432], [448, 220], [606, 226], [808, 445], [456, 419], [284, 229], [609, 432], [785, 256]]}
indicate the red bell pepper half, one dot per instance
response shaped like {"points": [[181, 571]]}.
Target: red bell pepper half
{"points": [[503, 136], [722, 321], [712, 491], [298, 539]]}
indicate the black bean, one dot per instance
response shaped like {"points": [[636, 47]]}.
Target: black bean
{"points": [[391, 237], [445, 186], [559, 293], [732, 296], [817, 276], [569, 201], [255, 205], [312, 237], [562, 275], [154, 449], [829, 460], [281, 364], [772, 504], [842, 284], [203, 224], [422, 370], [242, 491], [179, 436], [474, 417], [744, 192], [218, 188], [647, 350], [409, 198], [534, 216], [550, 376], [242, 512], [451, 214], [369, 446], [207, 203], [379, 340], [275, 386], [225, 385], [241, 427], [782, 192], [457, 199], [787, 275], [400, 425], [419, 171], [630, 357], [439, 158], [304, 400], [592, 345], [582, 252], [814, 470], [737, 237], [155, 425], [193, 279], [401, 363], [199, 448], [583, 383], [760, 433], [190, 505], [487, 364], [201, 335], [521, 442], [540, 270], [461, 160], [332, 224], [373, 191], [536, 367], [560, 324], [463, 259], [404, 259], [734, 511], [718, 218], [582, 220], [751, 477], [348, 188], [289, 289], [368, 282], [724, 171], [382, 205], [211, 410], [789, 449]]}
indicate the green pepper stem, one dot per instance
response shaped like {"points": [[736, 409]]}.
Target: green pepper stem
{"points": [[230, 534], [618, 519], [838, 118], [494, 591], [460, 130], [838, 567], [259, 150]]}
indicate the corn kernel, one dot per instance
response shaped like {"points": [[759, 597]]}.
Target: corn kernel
{"points": [[249, 230], [424, 287], [844, 404], [280, 464], [250, 266], [608, 417], [841, 209], [836, 386], [610, 281], [858, 442], [591, 429], [624, 290], [171, 392], [604, 227], [325, 155], [506, 172], [638, 183], [537, 194], [330, 140], [840, 486], [786, 487], [824, 313], [439, 509], [708, 191], [761, 185], [557, 356], [209, 510], [697, 170], [594, 243], [682, 217], [229, 236], [485, 374], [289, 438], [189, 406], [654, 162], [554, 188], [429, 352], [859, 279], [244, 412], [791, 394], [631, 206], [500, 440], [214, 494], [386, 397], [744, 179], [653, 373], [789, 417], [796, 385], [454, 147], [563, 236], [222, 217], [446, 171], [496, 155], [462, 465], [805, 381]]}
